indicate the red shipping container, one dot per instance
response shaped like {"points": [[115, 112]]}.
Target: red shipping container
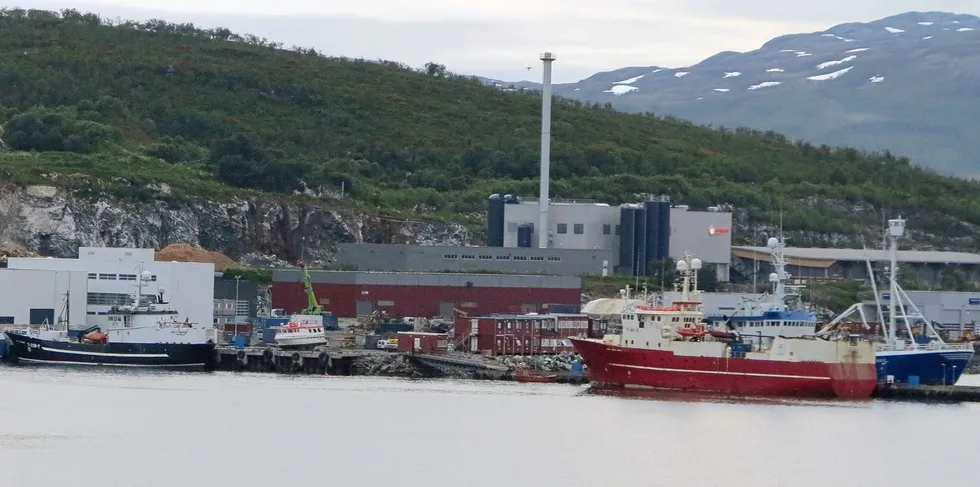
{"points": [[424, 343]]}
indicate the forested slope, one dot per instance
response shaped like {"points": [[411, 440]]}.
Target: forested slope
{"points": [[116, 107]]}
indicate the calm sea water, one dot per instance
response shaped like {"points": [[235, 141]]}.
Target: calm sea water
{"points": [[88, 428]]}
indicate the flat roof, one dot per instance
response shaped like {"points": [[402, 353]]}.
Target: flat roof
{"points": [[829, 256]]}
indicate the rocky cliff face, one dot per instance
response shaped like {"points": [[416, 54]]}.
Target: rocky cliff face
{"points": [[55, 222]]}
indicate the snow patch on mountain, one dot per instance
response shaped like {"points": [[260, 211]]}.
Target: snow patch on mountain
{"points": [[629, 81], [620, 90], [830, 76], [926, 23], [765, 84], [926, 38], [681, 74], [894, 30], [965, 29], [722, 90], [860, 49], [876, 79], [732, 74], [835, 63], [774, 70]]}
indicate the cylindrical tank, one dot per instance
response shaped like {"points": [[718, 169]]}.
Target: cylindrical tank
{"points": [[640, 241], [664, 232], [495, 221], [653, 227], [626, 237]]}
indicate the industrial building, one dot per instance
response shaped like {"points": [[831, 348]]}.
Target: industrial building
{"points": [[349, 294], [99, 279], [421, 258], [829, 264], [955, 311], [519, 334], [235, 300], [636, 233]]}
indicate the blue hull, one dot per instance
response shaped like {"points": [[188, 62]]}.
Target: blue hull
{"points": [[931, 367]]}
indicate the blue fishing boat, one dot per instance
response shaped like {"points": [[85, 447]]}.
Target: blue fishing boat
{"points": [[910, 351], [782, 314]]}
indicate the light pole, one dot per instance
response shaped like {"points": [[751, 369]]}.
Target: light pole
{"points": [[238, 279]]}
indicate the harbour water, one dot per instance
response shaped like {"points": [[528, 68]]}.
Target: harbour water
{"points": [[102, 428]]}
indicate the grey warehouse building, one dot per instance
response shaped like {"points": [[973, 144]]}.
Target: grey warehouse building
{"points": [[420, 258], [820, 263]]}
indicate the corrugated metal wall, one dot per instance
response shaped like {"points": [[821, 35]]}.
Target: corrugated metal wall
{"points": [[350, 300]]}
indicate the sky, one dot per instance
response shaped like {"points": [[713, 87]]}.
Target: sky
{"points": [[502, 38]]}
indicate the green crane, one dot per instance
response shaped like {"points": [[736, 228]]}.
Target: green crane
{"points": [[313, 306]]}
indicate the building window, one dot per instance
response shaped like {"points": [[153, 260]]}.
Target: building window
{"points": [[467, 257], [606, 229], [486, 257], [93, 275], [114, 299], [554, 259], [520, 257], [6, 320], [579, 228], [107, 277], [386, 303], [537, 258], [617, 229], [450, 256], [127, 277], [562, 228], [503, 257]]}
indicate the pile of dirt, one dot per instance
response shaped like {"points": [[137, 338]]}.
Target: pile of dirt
{"points": [[195, 253], [7, 251]]}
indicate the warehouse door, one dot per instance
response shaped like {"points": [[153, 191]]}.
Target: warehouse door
{"points": [[365, 308], [446, 308], [42, 315]]}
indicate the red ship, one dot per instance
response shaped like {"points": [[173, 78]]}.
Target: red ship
{"points": [[673, 348]]}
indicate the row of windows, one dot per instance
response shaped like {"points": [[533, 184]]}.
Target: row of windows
{"points": [[116, 277], [577, 228], [535, 258], [115, 299], [775, 323]]}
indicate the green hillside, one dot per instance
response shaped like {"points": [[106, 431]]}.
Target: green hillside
{"points": [[212, 114]]}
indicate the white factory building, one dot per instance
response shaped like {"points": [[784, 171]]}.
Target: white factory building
{"points": [[36, 288]]}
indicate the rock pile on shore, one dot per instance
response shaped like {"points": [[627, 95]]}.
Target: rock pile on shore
{"points": [[548, 363], [387, 365]]}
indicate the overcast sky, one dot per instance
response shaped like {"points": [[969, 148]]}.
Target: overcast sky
{"points": [[501, 38]]}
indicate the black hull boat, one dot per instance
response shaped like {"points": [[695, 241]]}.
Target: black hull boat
{"points": [[184, 356]]}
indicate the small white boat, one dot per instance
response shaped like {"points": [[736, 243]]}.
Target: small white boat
{"points": [[302, 331]]}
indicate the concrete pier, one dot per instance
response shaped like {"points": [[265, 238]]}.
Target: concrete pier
{"points": [[928, 393], [274, 359]]}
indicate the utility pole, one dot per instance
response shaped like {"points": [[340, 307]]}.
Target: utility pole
{"points": [[238, 279]]}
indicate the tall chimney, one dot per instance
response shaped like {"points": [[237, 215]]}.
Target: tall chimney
{"points": [[543, 200]]}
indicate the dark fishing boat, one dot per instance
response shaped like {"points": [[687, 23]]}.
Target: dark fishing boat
{"points": [[146, 333]]}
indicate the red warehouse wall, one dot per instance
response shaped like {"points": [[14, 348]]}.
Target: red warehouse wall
{"points": [[341, 299]]}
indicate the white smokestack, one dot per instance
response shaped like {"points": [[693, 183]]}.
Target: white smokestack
{"points": [[543, 201]]}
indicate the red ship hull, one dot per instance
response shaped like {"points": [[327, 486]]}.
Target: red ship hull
{"points": [[619, 366]]}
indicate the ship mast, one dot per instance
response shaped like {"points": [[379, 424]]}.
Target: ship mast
{"points": [[896, 229]]}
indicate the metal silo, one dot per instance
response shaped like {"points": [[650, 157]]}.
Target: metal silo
{"points": [[495, 221]]}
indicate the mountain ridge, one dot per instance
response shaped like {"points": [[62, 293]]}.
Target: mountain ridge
{"points": [[899, 83]]}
